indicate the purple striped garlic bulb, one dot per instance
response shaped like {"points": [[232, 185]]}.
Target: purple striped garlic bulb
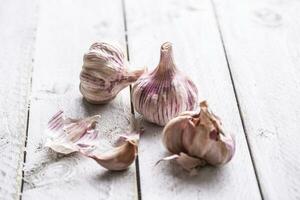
{"points": [[165, 92], [104, 73], [197, 138]]}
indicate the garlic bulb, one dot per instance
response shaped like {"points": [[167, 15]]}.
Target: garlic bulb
{"points": [[198, 136], [104, 73], [66, 135], [165, 92]]}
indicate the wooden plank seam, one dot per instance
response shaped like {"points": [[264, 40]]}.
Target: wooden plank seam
{"points": [[236, 96], [138, 184]]}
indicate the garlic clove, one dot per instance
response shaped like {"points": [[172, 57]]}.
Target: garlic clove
{"points": [[104, 73], [165, 92], [117, 159], [222, 152], [199, 136], [174, 137], [68, 135]]}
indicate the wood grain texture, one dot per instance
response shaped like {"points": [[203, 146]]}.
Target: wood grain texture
{"points": [[66, 29], [263, 47], [191, 27], [17, 35]]}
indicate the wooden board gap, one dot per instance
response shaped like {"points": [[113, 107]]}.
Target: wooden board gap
{"points": [[236, 97], [137, 168], [25, 151]]}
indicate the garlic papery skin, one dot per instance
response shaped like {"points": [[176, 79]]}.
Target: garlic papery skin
{"points": [[117, 159], [199, 135], [165, 92], [66, 135], [187, 162], [104, 73]]}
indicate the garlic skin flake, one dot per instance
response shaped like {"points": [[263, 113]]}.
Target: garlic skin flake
{"points": [[198, 136], [165, 92], [187, 162], [104, 73], [66, 135]]}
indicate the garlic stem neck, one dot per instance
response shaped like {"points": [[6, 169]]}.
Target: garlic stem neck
{"points": [[166, 63]]}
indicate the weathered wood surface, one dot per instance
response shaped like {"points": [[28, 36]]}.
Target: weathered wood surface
{"points": [[191, 27], [65, 31], [263, 47], [261, 40], [17, 35]]}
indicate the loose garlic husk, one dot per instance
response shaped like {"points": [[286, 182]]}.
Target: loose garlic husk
{"points": [[197, 139], [66, 135], [165, 92], [104, 73]]}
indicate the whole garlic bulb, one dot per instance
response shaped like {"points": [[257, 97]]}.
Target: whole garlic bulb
{"points": [[198, 136], [104, 73], [165, 92]]}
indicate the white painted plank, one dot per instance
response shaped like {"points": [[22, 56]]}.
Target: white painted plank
{"points": [[191, 26], [262, 41], [17, 35], [66, 29]]}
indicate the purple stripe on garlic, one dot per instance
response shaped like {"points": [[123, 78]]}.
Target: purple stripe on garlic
{"points": [[104, 73], [163, 93]]}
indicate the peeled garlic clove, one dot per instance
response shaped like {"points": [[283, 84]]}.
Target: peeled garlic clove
{"points": [[119, 158], [66, 135], [165, 92], [199, 136], [104, 73]]}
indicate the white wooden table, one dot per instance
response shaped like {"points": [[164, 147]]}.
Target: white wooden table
{"points": [[243, 55]]}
